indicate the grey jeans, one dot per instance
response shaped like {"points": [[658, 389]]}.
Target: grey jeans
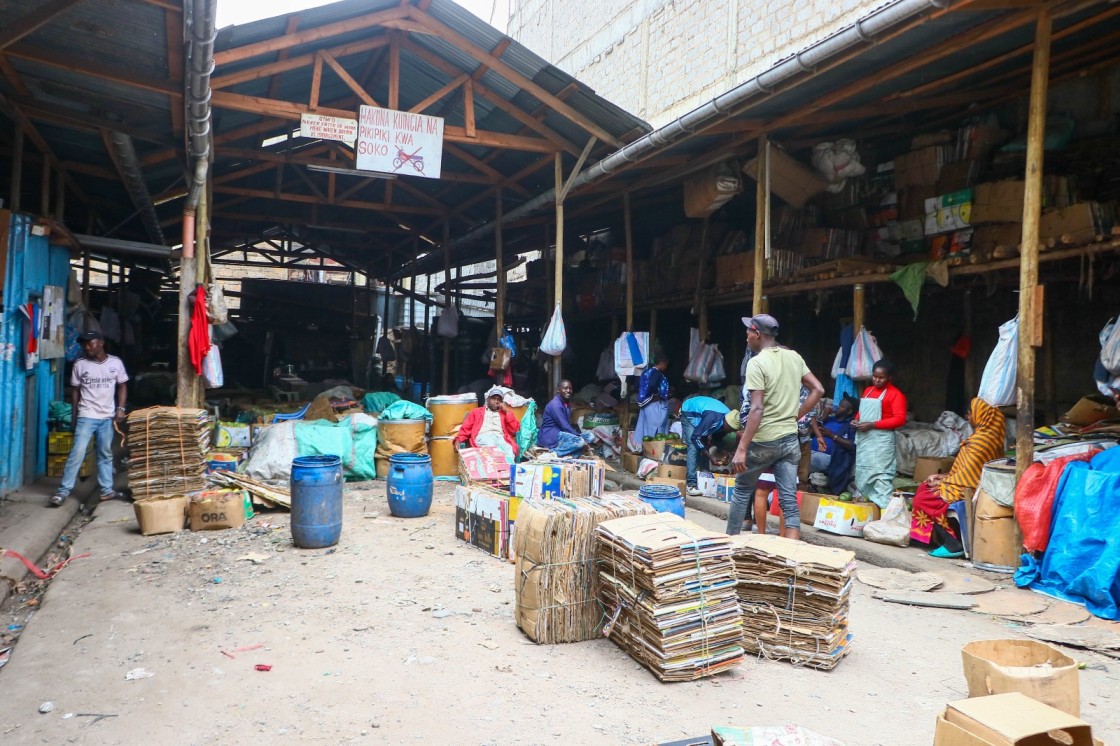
{"points": [[782, 457]]}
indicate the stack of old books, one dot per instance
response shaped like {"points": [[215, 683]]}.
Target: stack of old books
{"points": [[167, 451], [667, 587], [555, 548], [795, 599]]}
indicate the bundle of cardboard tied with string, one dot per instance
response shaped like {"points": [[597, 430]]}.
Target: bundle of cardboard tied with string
{"points": [[668, 589], [795, 599], [167, 451], [555, 547]]}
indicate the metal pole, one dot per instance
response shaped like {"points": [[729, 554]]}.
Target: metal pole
{"points": [[1030, 306], [558, 283], [499, 259], [446, 303], [761, 222]]}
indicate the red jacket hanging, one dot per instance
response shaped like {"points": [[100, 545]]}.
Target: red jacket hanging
{"points": [[199, 340]]}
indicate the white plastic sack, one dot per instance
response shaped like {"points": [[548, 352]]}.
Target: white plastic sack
{"points": [[212, 373], [625, 364], [997, 385], [865, 353], [836, 369], [448, 324], [216, 308], [1110, 347], [555, 339], [893, 528], [837, 162]]}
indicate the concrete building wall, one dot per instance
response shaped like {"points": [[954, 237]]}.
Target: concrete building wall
{"points": [[661, 58]]}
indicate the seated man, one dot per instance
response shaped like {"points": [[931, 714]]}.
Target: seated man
{"points": [[557, 431], [491, 425]]}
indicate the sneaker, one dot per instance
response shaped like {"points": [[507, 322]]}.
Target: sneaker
{"points": [[694, 491], [57, 499], [112, 496]]}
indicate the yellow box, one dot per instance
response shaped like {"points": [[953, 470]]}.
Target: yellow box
{"points": [[844, 519], [59, 443], [56, 463]]}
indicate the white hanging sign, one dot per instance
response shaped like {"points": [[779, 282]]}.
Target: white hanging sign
{"points": [[323, 127], [399, 142]]}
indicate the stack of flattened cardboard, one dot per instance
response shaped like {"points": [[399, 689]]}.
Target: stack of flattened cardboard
{"points": [[568, 478], [667, 587], [555, 548], [167, 451], [795, 599]]}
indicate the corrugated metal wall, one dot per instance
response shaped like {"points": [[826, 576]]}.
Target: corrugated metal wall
{"points": [[32, 263]]}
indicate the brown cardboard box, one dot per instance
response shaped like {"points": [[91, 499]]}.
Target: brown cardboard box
{"points": [[1078, 222], [920, 167], [987, 508], [734, 269], [678, 483], [671, 471], [795, 183], [1012, 719], [216, 510], [944, 137], [924, 466], [1029, 667], [1091, 410], [161, 515], [991, 235], [630, 461], [997, 202], [912, 202], [957, 176]]}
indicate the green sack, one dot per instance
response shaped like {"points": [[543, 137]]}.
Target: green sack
{"points": [[378, 401], [527, 435]]}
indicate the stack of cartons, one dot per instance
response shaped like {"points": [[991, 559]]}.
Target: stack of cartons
{"points": [[563, 478], [167, 451], [667, 587], [795, 599]]}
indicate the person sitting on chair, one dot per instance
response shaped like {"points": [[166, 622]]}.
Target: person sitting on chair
{"points": [[491, 425]]}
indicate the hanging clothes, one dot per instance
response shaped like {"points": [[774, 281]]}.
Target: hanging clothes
{"points": [[198, 342]]}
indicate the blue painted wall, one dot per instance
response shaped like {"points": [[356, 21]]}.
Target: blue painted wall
{"points": [[32, 263]]}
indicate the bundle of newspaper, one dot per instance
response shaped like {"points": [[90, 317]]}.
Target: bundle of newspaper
{"points": [[555, 548], [795, 599], [667, 587], [167, 451]]}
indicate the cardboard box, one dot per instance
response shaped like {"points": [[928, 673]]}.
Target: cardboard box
{"points": [[924, 466], [1029, 667], [710, 190], [844, 519], [734, 269], [656, 449], [484, 464], [1091, 410], [671, 471], [921, 167], [218, 509], [912, 201], [161, 515], [948, 219], [998, 202], [725, 487], [1080, 223], [1011, 719], [993, 235], [809, 502], [706, 483], [484, 518], [996, 543], [630, 461], [795, 183], [678, 483], [232, 435]]}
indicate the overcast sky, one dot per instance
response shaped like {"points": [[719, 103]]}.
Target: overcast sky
{"points": [[243, 11]]}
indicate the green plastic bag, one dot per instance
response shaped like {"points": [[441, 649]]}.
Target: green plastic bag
{"points": [[527, 435], [378, 401]]}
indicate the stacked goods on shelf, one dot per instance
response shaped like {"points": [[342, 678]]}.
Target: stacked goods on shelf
{"points": [[667, 587], [795, 599], [167, 451], [554, 543]]}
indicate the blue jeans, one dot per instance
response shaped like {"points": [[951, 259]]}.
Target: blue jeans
{"points": [[86, 429], [693, 457], [781, 456]]}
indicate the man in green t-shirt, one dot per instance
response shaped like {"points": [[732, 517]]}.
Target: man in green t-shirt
{"points": [[770, 443]]}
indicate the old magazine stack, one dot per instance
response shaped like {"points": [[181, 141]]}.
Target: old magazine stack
{"points": [[668, 590], [167, 451], [555, 549], [795, 599]]}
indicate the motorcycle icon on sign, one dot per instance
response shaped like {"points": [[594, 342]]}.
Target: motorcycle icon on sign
{"points": [[415, 160]]}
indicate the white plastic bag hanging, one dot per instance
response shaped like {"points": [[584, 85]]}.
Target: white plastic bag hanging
{"points": [[448, 324], [997, 385], [1110, 347], [555, 339], [865, 353], [216, 307], [212, 373]]}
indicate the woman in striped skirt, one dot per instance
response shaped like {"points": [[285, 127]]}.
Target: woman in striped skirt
{"points": [[929, 523]]}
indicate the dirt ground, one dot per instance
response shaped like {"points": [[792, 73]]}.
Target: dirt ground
{"points": [[402, 634]]}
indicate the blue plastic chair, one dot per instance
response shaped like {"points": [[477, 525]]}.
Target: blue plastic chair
{"points": [[292, 416], [958, 511]]}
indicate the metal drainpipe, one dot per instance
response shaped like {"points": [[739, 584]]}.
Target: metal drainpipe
{"points": [[863, 31], [199, 68], [137, 187]]}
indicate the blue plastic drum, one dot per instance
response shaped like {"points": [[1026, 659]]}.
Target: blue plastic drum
{"points": [[409, 484], [663, 498], [316, 501]]}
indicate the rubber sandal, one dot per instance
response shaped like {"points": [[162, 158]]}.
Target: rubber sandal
{"points": [[942, 553], [56, 501], [112, 496]]}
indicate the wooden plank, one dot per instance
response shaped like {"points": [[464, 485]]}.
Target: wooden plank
{"points": [[294, 63], [558, 281], [1037, 322], [394, 70], [33, 21], [628, 230], [316, 81], [761, 222], [173, 28], [313, 200], [1028, 267], [468, 107], [352, 84], [957, 601], [499, 258], [439, 93], [306, 36], [507, 72]]}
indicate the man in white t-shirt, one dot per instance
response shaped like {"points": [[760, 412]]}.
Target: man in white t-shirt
{"points": [[98, 396]]}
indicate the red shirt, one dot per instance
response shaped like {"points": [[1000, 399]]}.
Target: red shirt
{"points": [[472, 423], [894, 406]]}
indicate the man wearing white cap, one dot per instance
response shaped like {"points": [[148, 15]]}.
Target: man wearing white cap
{"points": [[771, 393], [491, 425]]}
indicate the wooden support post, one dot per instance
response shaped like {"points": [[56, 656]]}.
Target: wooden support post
{"points": [[186, 378], [426, 390], [1028, 262], [500, 266], [652, 327], [703, 323], [858, 307], [60, 197], [558, 282], [16, 180], [45, 188], [629, 262], [614, 328], [446, 303], [761, 222]]}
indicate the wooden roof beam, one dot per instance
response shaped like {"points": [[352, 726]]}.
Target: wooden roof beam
{"points": [[26, 25], [314, 200], [287, 64]]}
